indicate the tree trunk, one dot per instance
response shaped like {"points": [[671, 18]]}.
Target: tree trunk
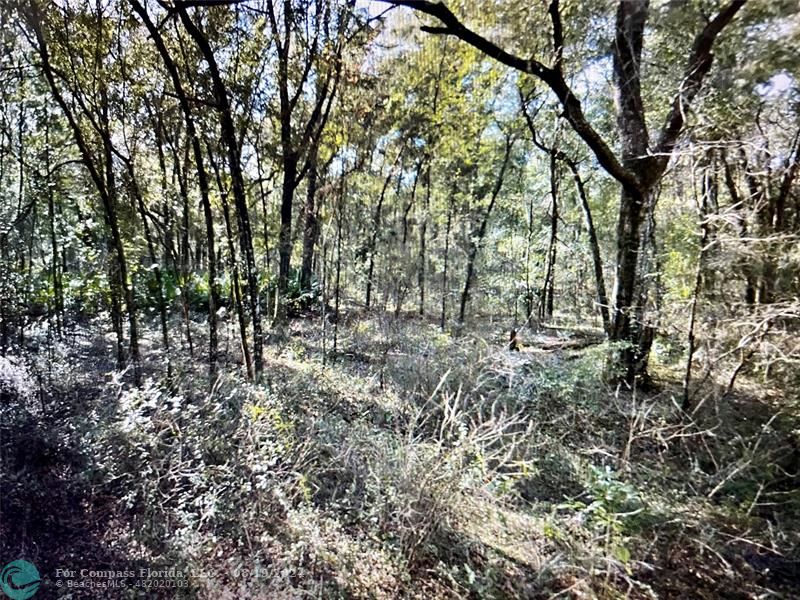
{"points": [[105, 187], [185, 268], [127, 290], [423, 230], [311, 225], [639, 169], [376, 224], [55, 272], [235, 283], [228, 132], [202, 178], [450, 204], [337, 284], [690, 338], [290, 164], [548, 285], [628, 238], [151, 251], [476, 240], [594, 247]]}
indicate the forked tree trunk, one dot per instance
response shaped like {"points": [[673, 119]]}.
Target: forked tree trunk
{"points": [[640, 167]]}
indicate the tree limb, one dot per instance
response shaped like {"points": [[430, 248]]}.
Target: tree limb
{"points": [[697, 67], [573, 111]]}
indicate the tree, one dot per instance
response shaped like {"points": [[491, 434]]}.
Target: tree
{"points": [[318, 55], [594, 246], [233, 155], [477, 237], [639, 165], [202, 178], [97, 156]]}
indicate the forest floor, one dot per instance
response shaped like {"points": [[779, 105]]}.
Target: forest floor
{"points": [[410, 464]]}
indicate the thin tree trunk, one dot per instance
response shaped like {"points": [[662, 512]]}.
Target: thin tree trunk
{"points": [[339, 219], [185, 269], [698, 278], [290, 164], [128, 291], [529, 294], [235, 283], [55, 273], [376, 223], [548, 287], [476, 241], [228, 132], [404, 283], [594, 247], [162, 305], [263, 196], [311, 225], [739, 205], [423, 230], [202, 178], [410, 204], [443, 319], [602, 295]]}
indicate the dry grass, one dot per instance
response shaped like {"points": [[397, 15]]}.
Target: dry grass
{"points": [[422, 465]]}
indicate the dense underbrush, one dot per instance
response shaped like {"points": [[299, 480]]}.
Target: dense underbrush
{"points": [[416, 464]]}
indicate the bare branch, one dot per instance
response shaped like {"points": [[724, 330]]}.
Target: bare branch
{"points": [[203, 3]]}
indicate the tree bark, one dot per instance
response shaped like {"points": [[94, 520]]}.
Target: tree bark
{"points": [[548, 285], [311, 222]]}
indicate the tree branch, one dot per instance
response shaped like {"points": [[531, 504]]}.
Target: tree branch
{"points": [[179, 4], [558, 34], [573, 111], [697, 67]]}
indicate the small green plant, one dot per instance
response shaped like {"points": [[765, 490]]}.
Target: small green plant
{"points": [[612, 502], [299, 298]]}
